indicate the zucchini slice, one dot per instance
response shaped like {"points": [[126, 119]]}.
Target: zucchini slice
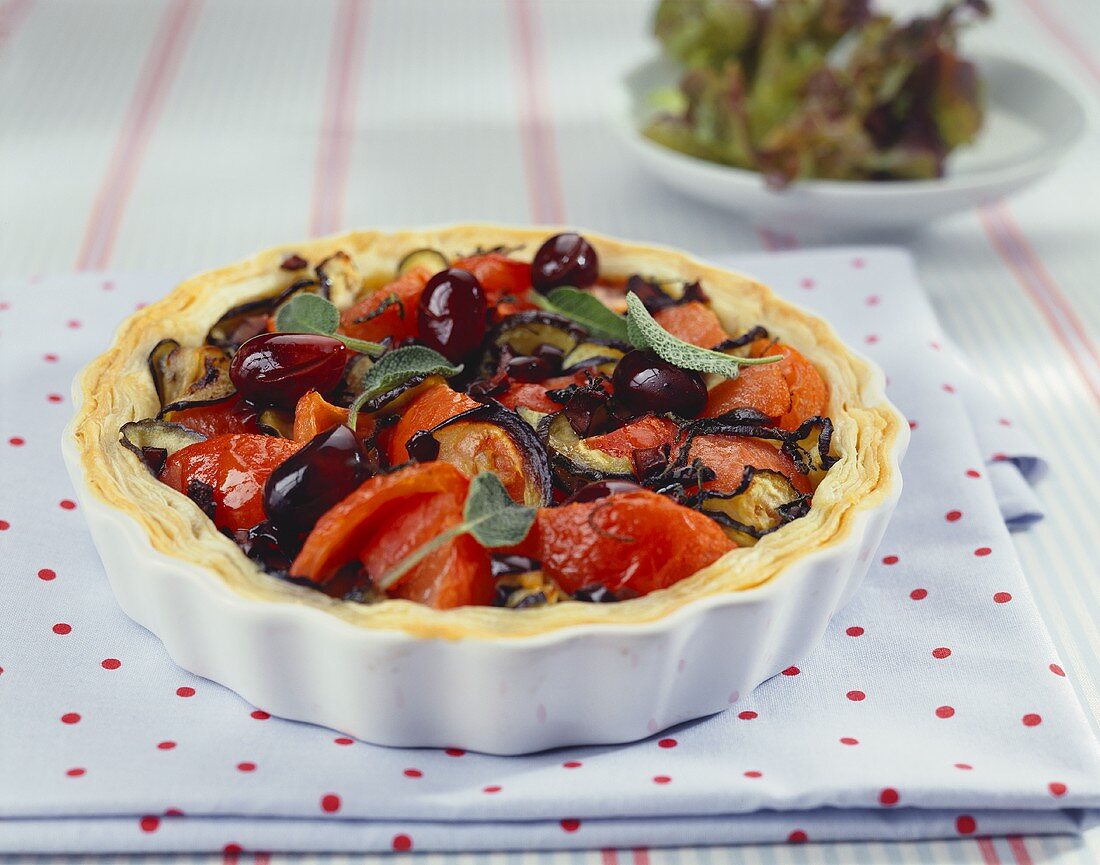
{"points": [[494, 439], [155, 440], [765, 501], [241, 323], [340, 279], [276, 422], [432, 260], [524, 332], [591, 354], [527, 589], [186, 377], [810, 446], [574, 463]]}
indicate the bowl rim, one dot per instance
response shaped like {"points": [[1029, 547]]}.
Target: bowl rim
{"points": [[835, 547], [626, 111]]}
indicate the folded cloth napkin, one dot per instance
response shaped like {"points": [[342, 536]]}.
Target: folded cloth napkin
{"points": [[935, 705]]}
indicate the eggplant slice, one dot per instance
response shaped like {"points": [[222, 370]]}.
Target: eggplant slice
{"points": [[765, 501], [573, 462], [341, 280], [494, 439], [186, 377], [155, 440], [594, 355], [432, 260], [524, 332], [810, 447], [243, 322]]}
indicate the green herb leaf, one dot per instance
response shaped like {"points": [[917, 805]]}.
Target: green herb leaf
{"points": [[587, 310], [645, 332], [490, 515], [396, 368], [311, 313]]}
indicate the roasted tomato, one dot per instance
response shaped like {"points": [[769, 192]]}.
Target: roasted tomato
{"points": [[728, 455], [430, 408], [791, 390], [533, 395], [692, 322], [639, 541], [378, 315], [646, 432], [387, 518], [314, 414], [499, 275], [227, 417], [235, 467]]}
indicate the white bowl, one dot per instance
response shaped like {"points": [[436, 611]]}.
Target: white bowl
{"points": [[1032, 123], [589, 685]]}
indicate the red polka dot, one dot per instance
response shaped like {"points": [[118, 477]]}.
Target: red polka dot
{"points": [[572, 764], [948, 388], [259, 714], [454, 752], [848, 740], [571, 824], [945, 711], [966, 767], [966, 825], [47, 574], [752, 773], [973, 473], [1004, 422], [4, 525], [856, 696], [667, 743], [110, 663], [401, 843], [889, 560], [73, 323], [858, 263], [798, 837], [492, 788], [185, 691], [1032, 720], [854, 631], [982, 551], [166, 745], [1002, 597], [75, 773], [17, 441], [807, 283], [173, 812], [953, 516], [791, 671], [62, 628], [889, 796], [149, 823], [70, 718], [50, 358], [873, 300], [246, 767], [918, 594], [67, 504], [1057, 788], [413, 773], [343, 740], [53, 397], [233, 849], [661, 779], [747, 715], [941, 653], [871, 338], [330, 803], [1056, 670], [913, 424]]}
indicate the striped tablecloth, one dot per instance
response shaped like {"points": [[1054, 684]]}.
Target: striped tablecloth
{"points": [[169, 135]]}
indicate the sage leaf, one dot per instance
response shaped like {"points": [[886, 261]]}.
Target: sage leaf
{"points": [[490, 515], [645, 332], [587, 310], [397, 367], [311, 313]]}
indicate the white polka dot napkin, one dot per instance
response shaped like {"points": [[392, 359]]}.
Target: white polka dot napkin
{"points": [[935, 705]]}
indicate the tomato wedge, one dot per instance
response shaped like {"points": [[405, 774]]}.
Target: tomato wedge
{"points": [[388, 517], [639, 541], [692, 322], [499, 275], [728, 455], [757, 387], [809, 393], [236, 468], [435, 405], [314, 415], [647, 432], [532, 395], [378, 316], [226, 417]]}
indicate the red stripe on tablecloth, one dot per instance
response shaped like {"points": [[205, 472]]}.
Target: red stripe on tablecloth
{"points": [[609, 857], [1044, 292], [1019, 850], [988, 851], [539, 156], [1058, 30], [338, 124], [641, 856], [12, 14], [161, 63]]}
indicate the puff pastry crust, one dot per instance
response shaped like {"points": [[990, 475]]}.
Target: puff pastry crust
{"points": [[117, 388]]}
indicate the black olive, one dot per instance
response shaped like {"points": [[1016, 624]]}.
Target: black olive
{"points": [[602, 489], [564, 259], [645, 382]]}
